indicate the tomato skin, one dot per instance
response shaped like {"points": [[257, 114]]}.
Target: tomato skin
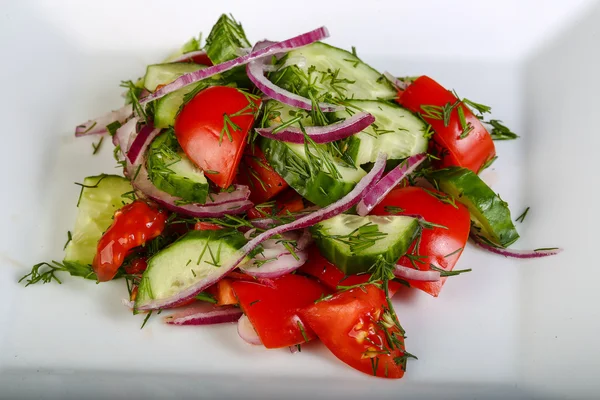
{"points": [[200, 131], [206, 226], [133, 225], [348, 325], [437, 243], [287, 201], [256, 173], [136, 266], [274, 311], [331, 276], [471, 152]]}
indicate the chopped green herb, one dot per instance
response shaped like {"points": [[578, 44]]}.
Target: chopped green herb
{"points": [[69, 238], [521, 217]]}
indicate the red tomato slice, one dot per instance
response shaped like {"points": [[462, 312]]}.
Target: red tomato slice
{"points": [[473, 150], [212, 130], [206, 226], [288, 201], [441, 247], [331, 276], [256, 173], [274, 311], [351, 325]]}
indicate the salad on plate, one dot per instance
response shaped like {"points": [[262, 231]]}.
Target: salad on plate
{"points": [[288, 187]]}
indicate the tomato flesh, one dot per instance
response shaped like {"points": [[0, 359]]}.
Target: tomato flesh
{"points": [[256, 172], [133, 225], [274, 311], [471, 151], [212, 130], [440, 247], [331, 276], [352, 327]]}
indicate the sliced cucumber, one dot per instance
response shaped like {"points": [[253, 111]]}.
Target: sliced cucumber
{"points": [[354, 243], [170, 170], [167, 107], [490, 214], [100, 197], [336, 72], [162, 74], [317, 185], [191, 45], [396, 131], [196, 256]]}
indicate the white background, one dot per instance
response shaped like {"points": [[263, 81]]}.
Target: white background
{"points": [[508, 329]]}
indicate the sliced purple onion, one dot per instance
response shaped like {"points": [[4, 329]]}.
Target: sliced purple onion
{"points": [[412, 274], [395, 81], [304, 240], [256, 72], [294, 349], [203, 314], [247, 331], [387, 183], [124, 133], [537, 253], [98, 125], [274, 267], [364, 186], [277, 48], [321, 134], [140, 142]]}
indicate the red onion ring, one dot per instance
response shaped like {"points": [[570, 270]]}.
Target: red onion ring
{"points": [[203, 314], [538, 253], [345, 203], [277, 48], [247, 331], [321, 134], [387, 183], [256, 72], [98, 126], [412, 274]]}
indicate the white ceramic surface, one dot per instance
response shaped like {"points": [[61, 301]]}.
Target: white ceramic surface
{"points": [[509, 329]]}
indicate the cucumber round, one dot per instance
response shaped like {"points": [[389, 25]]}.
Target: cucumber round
{"points": [[196, 256], [337, 72], [101, 196], [320, 187], [162, 74], [390, 240], [170, 170], [490, 215], [396, 131]]}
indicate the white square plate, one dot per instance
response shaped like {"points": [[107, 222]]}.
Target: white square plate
{"points": [[509, 329]]}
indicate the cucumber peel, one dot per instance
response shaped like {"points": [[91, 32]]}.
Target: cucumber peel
{"points": [[354, 244], [490, 215]]}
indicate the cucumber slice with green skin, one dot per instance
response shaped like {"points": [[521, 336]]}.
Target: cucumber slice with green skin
{"points": [[226, 41], [390, 240], [490, 215], [318, 186], [170, 170], [396, 131], [167, 107], [196, 256], [101, 196], [191, 45], [162, 74], [338, 73]]}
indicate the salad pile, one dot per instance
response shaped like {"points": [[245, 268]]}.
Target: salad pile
{"points": [[291, 188]]}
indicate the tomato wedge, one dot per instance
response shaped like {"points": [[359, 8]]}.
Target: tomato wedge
{"points": [[256, 173], [470, 150], [288, 201], [438, 246], [212, 130], [357, 328], [274, 311], [331, 276], [133, 226]]}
